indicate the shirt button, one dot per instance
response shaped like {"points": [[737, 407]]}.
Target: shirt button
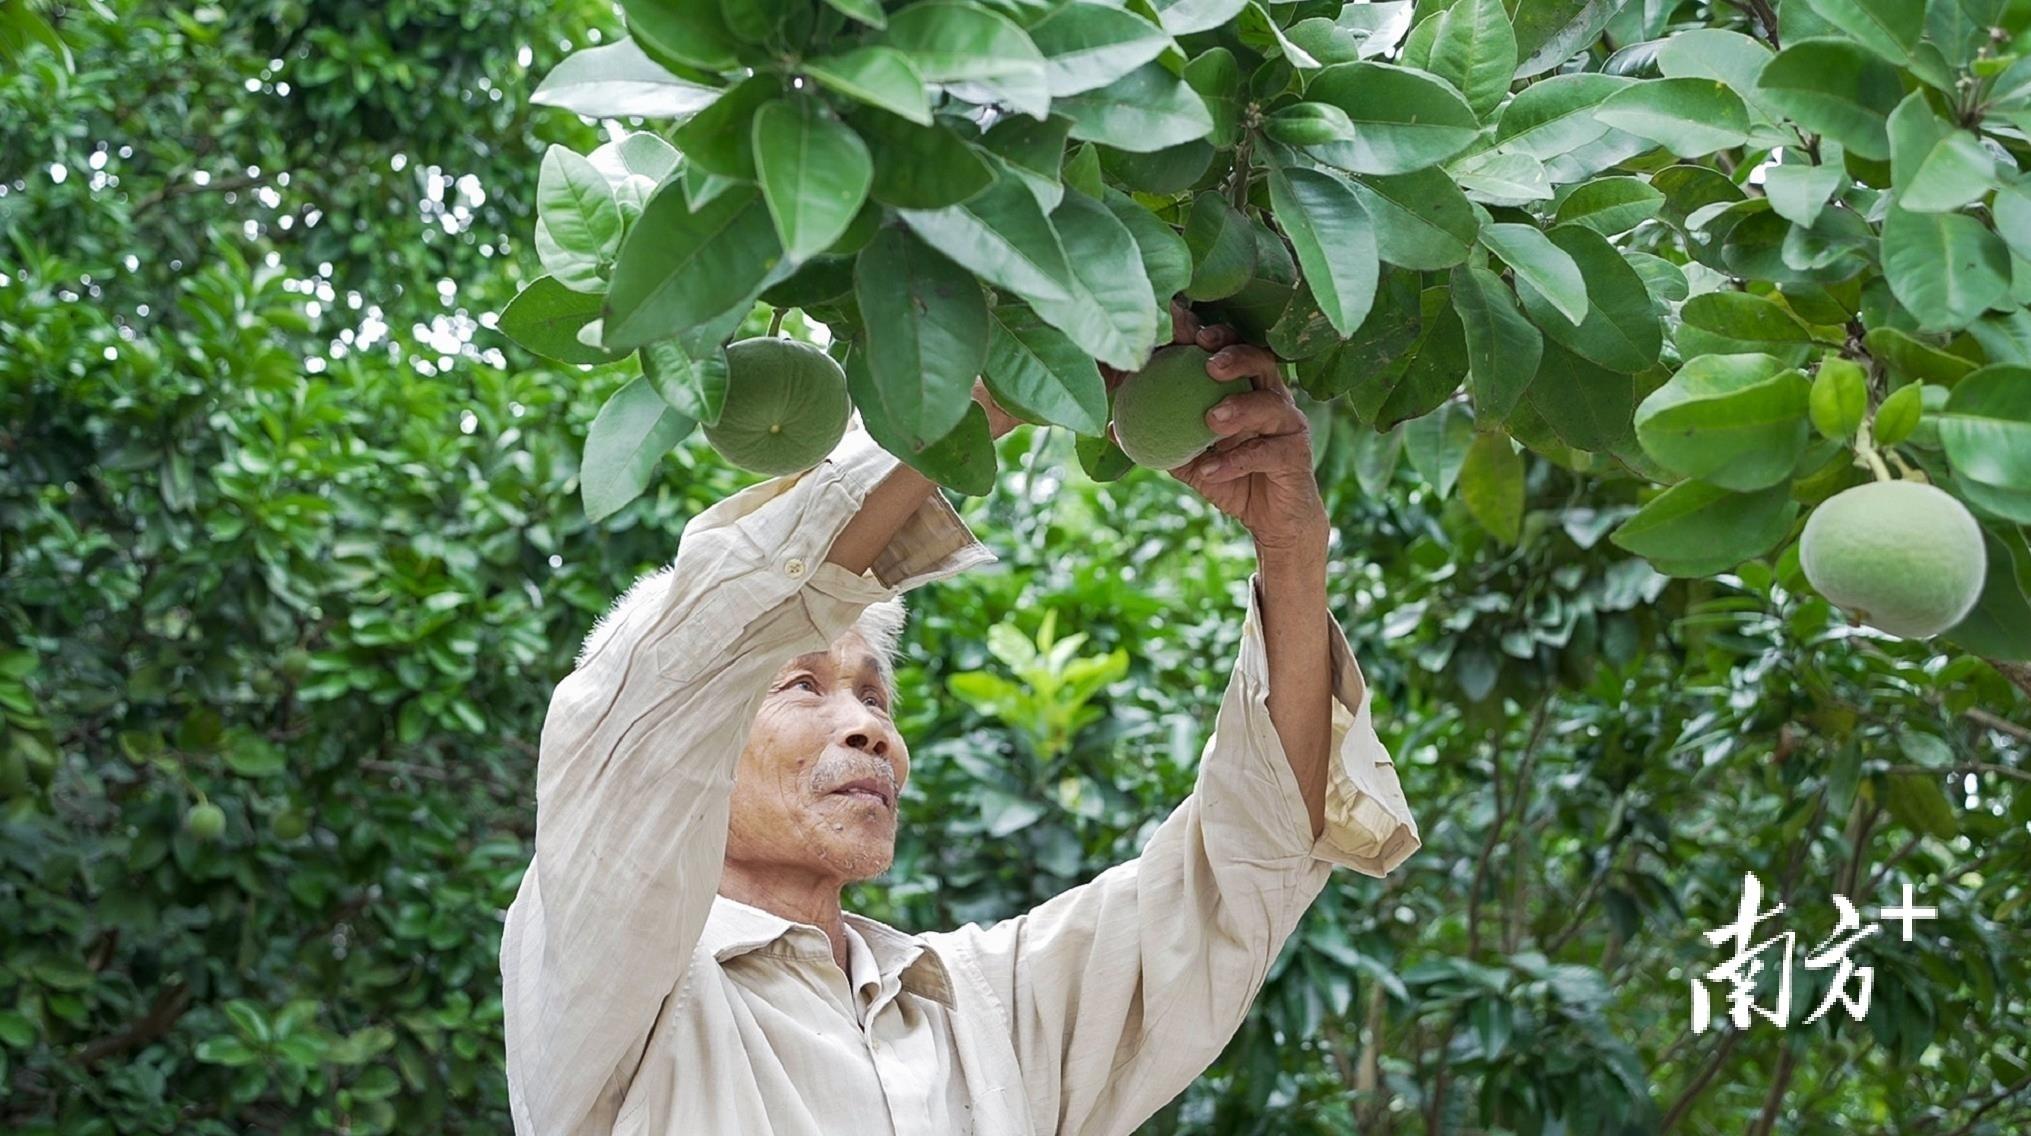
{"points": [[794, 569]]}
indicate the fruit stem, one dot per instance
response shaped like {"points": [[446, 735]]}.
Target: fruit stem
{"points": [[776, 320], [1866, 448]]}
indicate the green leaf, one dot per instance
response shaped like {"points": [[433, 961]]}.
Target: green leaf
{"points": [[631, 433], [1548, 270], [868, 12], [1797, 191], [1839, 398], [686, 32], [1216, 77], [1503, 348], [16, 1031], [1696, 529], [1222, 244], [1836, 88], [1999, 627], [927, 326], [1898, 415], [1305, 123], [1491, 485], [921, 167], [1736, 421], [963, 458], [619, 81], [1422, 220], [1733, 322], [1470, 45], [1611, 206], [1404, 120], [1165, 257], [1945, 268], [1556, 115], [1147, 109], [1689, 117], [694, 387], [579, 223], [679, 270], [877, 76], [1258, 30], [1499, 177], [718, 138], [251, 755], [1101, 458], [979, 55], [1182, 17], [545, 318], [1935, 168], [1714, 53], [1038, 374], [227, 1051], [1003, 237], [1986, 428], [1035, 152], [1890, 28], [1587, 406], [1918, 803], [814, 171], [1108, 311], [1087, 45], [1334, 239], [1437, 443], [1549, 32], [1621, 330]]}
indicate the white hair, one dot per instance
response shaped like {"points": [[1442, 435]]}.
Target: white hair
{"points": [[880, 624]]}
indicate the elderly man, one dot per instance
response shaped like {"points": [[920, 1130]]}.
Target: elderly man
{"points": [[722, 761]]}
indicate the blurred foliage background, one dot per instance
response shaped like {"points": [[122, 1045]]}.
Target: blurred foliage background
{"points": [[286, 528]]}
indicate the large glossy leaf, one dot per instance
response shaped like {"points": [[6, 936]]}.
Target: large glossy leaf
{"points": [[1621, 330], [962, 459], [679, 270], [1422, 220], [1223, 247], [1165, 257], [921, 167], [1946, 268], [631, 433], [545, 318], [1147, 109], [1181, 17], [1999, 627], [878, 76], [694, 386], [686, 32], [1737, 421], [719, 139], [1986, 427], [1404, 120], [1547, 269], [1934, 166], [1470, 45], [1088, 45], [619, 81], [1557, 115], [1334, 240], [926, 321], [1503, 348], [1611, 206], [1689, 117], [814, 171], [1491, 485], [1037, 373], [1696, 529], [1890, 28], [1729, 322], [1437, 445], [1836, 88], [580, 222], [1003, 237], [1549, 32], [1108, 310], [1587, 406], [1798, 191], [978, 54]]}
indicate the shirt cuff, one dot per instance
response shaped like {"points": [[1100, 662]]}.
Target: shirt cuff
{"points": [[1369, 827]]}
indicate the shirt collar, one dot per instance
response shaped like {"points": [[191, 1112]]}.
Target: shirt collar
{"points": [[735, 928]]}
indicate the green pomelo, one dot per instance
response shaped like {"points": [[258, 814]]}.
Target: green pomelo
{"points": [[1160, 411], [1903, 556], [786, 406], [206, 821]]}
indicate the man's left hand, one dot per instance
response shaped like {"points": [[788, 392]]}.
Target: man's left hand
{"points": [[1260, 471]]}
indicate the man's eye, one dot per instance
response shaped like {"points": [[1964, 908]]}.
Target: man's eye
{"points": [[806, 683]]}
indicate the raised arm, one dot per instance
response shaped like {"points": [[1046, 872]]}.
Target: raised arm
{"points": [[639, 748]]}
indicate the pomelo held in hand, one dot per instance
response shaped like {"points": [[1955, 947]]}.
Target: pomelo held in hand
{"points": [[786, 406], [1160, 411], [1903, 556]]}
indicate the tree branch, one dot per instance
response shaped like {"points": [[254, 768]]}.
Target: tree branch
{"points": [[1699, 1083], [170, 1003]]}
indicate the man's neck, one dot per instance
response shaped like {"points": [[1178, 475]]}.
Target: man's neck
{"points": [[814, 902]]}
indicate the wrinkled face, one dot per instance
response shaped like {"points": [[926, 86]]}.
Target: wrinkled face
{"points": [[823, 724]]}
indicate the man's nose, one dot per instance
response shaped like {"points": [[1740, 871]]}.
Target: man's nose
{"points": [[865, 731]]}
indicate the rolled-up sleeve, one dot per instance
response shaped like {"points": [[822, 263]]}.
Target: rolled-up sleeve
{"points": [[636, 764], [1118, 993]]}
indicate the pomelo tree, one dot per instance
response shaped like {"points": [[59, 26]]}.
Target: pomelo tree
{"points": [[1738, 257]]}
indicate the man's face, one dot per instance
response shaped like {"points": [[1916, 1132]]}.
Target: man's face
{"points": [[823, 724]]}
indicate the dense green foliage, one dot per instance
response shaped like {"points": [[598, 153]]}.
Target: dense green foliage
{"points": [[318, 564]]}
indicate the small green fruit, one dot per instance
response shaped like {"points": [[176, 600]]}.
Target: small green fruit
{"points": [[1160, 411], [1903, 556], [786, 406], [205, 821]]}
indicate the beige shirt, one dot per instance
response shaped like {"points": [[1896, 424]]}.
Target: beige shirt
{"points": [[639, 1001]]}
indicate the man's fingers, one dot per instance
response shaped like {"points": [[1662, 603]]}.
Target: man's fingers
{"points": [[1282, 452], [1213, 337], [1184, 324], [1256, 412], [1245, 360]]}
